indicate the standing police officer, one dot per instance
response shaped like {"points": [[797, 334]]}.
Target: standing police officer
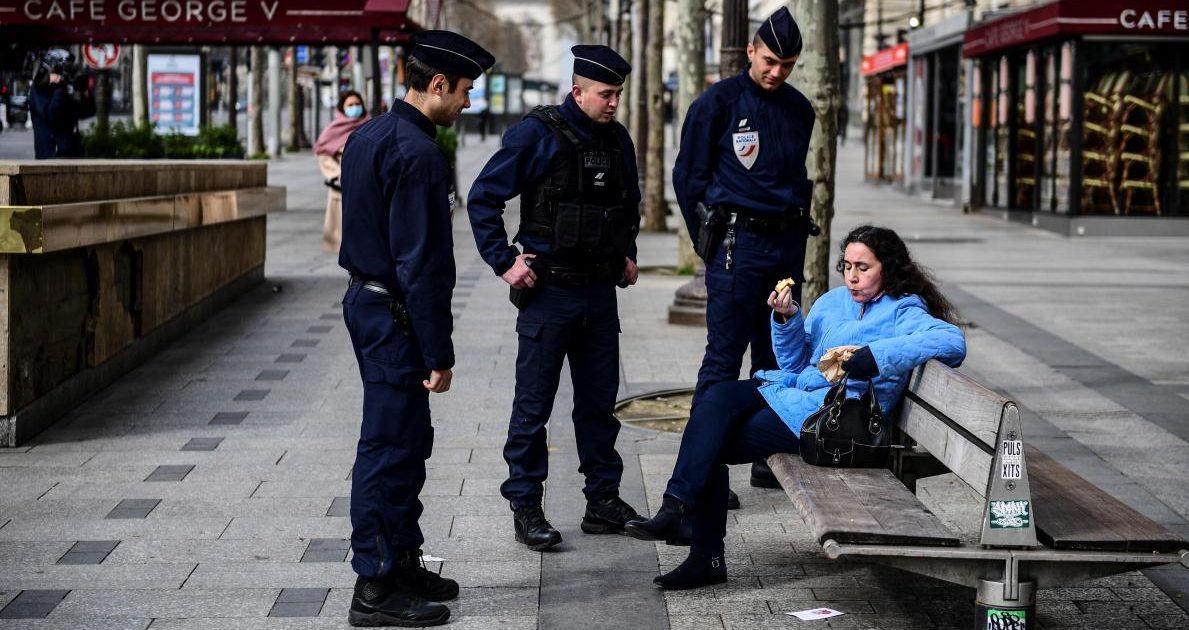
{"points": [[743, 149], [574, 169], [398, 247]]}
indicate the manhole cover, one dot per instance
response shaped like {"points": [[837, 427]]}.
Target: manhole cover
{"points": [[666, 410]]}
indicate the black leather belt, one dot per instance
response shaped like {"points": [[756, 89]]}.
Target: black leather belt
{"points": [[562, 275], [370, 285], [761, 223]]}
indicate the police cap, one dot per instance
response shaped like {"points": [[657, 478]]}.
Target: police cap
{"points": [[451, 53], [600, 63], [780, 34]]}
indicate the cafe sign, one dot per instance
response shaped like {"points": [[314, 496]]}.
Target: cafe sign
{"points": [[1077, 17]]}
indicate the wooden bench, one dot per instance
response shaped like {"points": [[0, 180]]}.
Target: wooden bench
{"points": [[1042, 525]]}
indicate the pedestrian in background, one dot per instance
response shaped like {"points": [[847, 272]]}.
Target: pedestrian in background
{"points": [[53, 111], [350, 113], [399, 249], [742, 157], [574, 169]]}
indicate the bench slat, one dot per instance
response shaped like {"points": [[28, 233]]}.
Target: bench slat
{"points": [[1072, 513], [959, 397], [967, 460], [853, 505]]}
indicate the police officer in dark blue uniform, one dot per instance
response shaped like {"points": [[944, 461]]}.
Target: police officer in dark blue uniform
{"points": [[397, 246], [574, 169], [743, 149]]}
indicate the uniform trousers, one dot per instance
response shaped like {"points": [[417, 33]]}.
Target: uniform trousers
{"points": [[732, 424], [581, 324], [736, 301], [395, 438]]}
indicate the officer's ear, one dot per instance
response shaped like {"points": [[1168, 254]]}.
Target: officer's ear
{"points": [[438, 85]]}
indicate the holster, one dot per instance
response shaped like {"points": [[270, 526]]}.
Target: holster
{"points": [[711, 232], [400, 316]]}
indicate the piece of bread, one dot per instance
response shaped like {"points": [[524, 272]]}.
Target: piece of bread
{"points": [[784, 284]]}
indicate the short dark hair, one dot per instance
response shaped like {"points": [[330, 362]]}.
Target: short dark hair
{"points": [[901, 274], [418, 75]]}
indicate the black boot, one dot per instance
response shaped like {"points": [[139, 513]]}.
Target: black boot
{"points": [[697, 570], [761, 475], [410, 575], [670, 524], [533, 530], [607, 516], [732, 500], [378, 603]]}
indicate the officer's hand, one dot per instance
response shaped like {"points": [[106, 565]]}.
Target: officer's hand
{"points": [[631, 271], [520, 276], [439, 381], [783, 304]]}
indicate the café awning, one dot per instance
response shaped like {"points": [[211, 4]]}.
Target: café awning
{"points": [[1078, 17]]}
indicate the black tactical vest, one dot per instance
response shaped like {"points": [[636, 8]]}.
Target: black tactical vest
{"points": [[578, 206]]}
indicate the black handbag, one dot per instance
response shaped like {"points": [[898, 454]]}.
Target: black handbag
{"points": [[846, 432]]}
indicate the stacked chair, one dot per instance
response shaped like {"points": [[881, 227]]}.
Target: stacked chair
{"points": [[1100, 143], [1139, 144]]}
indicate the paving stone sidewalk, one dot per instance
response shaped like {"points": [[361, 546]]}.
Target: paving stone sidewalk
{"points": [[207, 489]]}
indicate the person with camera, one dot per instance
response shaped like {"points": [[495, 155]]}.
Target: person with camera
{"points": [[53, 110], [890, 308], [350, 113]]}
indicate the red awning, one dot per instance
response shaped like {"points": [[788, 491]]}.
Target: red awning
{"points": [[218, 22], [884, 60], [1079, 17]]}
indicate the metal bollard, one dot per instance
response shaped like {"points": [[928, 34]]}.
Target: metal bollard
{"points": [[993, 611]]}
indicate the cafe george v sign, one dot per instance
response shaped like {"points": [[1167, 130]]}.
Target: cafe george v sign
{"points": [[206, 21]]}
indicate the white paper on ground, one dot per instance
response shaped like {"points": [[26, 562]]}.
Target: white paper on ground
{"points": [[429, 558], [815, 613]]}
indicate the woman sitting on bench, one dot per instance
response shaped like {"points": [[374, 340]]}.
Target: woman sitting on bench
{"points": [[889, 306]]}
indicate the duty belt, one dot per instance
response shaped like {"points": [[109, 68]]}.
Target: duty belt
{"points": [[574, 276], [756, 222], [370, 285]]}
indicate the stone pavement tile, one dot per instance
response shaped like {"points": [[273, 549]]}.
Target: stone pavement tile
{"points": [[32, 553], [27, 459], [490, 547], [713, 605], [190, 490], [312, 453], [173, 457], [694, 622], [13, 492], [494, 573], [69, 577], [1153, 607], [1178, 622], [254, 507], [61, 508], [470, 506], [75, 624], [877, 622], [240, 602], [495, 602], [112, 529], [270, 575], [304, 489], [74, 475], [1076, 594], [139, 551], [269, 471], [455, 456], [270, 528]]}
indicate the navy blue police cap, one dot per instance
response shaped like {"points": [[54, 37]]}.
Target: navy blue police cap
{"points": [[600, 63], [781, 34], [451, 53]]}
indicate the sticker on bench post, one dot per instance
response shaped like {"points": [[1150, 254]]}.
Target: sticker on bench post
{"points": [[1006, 619], [1011, 459], [1010, 514]]}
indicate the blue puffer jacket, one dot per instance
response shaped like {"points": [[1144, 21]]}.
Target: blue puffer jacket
{"points": [[900, 331]]}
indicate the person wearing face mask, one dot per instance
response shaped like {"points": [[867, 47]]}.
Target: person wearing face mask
{"points": [[574, 168], [398, 247], [890, 307], [349, 115], [742, 162]]}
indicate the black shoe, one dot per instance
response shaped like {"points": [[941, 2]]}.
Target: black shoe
{"points": [[607, 516], [533, 530], [696, 571], [377, 603], [410, 575], [670, 524], [761, 475], [732, 500]]}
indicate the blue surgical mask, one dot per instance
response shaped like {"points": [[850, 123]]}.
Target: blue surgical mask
{"points": [[353, 111]]}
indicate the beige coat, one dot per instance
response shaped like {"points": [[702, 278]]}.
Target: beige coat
{"points": [[332, 224]]}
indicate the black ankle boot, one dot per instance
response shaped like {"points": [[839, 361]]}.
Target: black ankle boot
{"points": [[608, 516], [698, 570], [379, 603], [670, 524], [533, 530], [762, 476], [410, 575]]}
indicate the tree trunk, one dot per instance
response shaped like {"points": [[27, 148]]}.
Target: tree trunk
{"points": [[625, 114], [816, 76], [233, 88], [140, 84], [735, 26], [102, 100], [295, 114], [655, 208], [639, 93], [256, 103], [274, 100], [691, 82]]}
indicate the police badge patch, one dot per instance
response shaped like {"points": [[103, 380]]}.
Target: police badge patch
{"points": [[747, 147]]}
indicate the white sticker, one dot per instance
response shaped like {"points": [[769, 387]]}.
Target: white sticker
{"points": [[815, 613], [1011, 459]]}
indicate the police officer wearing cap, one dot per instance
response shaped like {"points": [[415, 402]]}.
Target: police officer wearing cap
{"points": [[398, 247], [742, 158], [574, 169]]}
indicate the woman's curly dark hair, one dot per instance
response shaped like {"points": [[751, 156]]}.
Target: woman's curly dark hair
{"points": [[901, 274]]}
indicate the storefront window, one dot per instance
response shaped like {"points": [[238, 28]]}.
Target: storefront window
{"points": [[885, 126], [1132, 142], [1026, 140]]}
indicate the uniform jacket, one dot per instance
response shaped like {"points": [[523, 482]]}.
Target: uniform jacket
{"points": [[528, 147], [55, 122], [396, 221], [900, 332], [707, 168]]}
